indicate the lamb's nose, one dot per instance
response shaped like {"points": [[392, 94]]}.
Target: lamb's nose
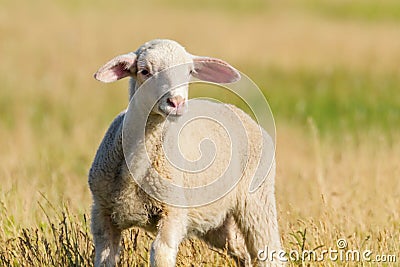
{"points": [[175, 101]]}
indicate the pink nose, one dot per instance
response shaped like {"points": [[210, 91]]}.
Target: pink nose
{"points": [[175, 101]]}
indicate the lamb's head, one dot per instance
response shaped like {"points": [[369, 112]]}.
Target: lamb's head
{"points": [[169, 67]]}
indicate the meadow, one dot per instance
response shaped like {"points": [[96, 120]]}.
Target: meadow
{"points": [[329, 69]]}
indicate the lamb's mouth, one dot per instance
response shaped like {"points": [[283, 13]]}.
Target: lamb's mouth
{"points": [[171, 113]]}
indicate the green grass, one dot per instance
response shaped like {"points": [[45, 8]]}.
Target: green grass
{"points": [[364, 10], [337, 100], [361, 10]]}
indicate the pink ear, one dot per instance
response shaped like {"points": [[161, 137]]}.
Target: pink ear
{"points": [[117, 68], [214, 70]]}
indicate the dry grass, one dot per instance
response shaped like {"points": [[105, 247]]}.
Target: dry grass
{"points": [[346, 189], [330, 184]]}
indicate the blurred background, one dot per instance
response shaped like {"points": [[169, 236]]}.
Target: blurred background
{"points": [[330, 70]]}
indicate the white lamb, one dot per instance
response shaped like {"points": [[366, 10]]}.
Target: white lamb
{"points": [[240, 221]]}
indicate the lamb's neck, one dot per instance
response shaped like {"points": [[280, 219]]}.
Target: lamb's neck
{"points": [[154, 123], [142, 139], [145, 126], [132, 88]]}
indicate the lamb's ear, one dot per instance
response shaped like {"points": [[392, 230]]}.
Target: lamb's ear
{"points": [[117, 68], [214, 70]]}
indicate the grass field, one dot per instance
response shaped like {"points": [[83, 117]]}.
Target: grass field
{"points": [[329, 69]]}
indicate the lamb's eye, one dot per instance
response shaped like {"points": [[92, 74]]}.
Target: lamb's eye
{"points": [[144, 72]]}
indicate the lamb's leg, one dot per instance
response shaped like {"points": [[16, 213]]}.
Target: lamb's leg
{"points": [[172, 230], [257, 220], [228, 236], [106, 239], [260, 230]]}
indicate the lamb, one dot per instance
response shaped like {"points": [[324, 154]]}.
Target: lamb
{"points": [[240, 221]]}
